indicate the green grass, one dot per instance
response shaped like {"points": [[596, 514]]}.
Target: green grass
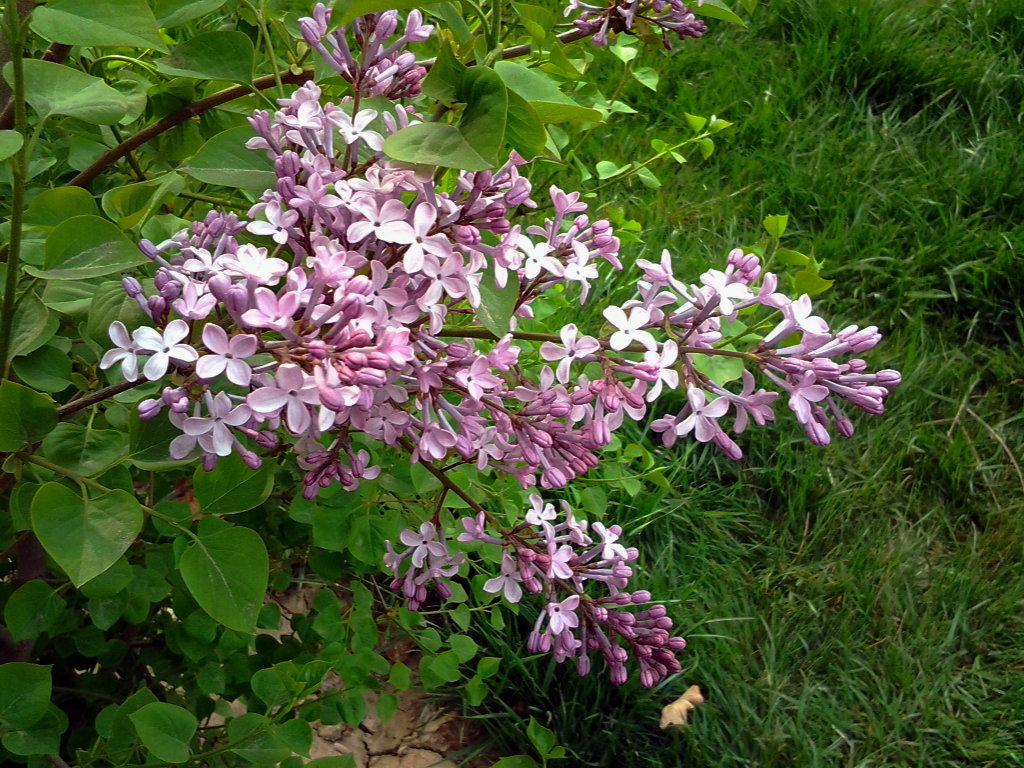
{"points": [[861, 605]]}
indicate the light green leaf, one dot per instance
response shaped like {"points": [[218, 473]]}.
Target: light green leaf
{"points": [[497, 305], [225, 161], [543, 94], [232, 486], [516, 761], [227, 573], [165, 730], [776, 225], [606, 169], [84, 450], [646, 77], [647, 178], [717, 9], [444, 79], [53, 89], [543, 739], [98, 23], [810, 282], [110, 303], [464, 647], [718, 368], [86, 246], [85, 536], [212, 56], [24, 694], [172, 13], [10, 142], [150, 443], [437, 144], [25, 416]]}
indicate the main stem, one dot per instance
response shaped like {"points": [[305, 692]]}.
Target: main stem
{"points": [[19, 173]]}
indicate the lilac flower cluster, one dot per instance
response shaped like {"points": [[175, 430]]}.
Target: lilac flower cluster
{"points": [[673, 17], [562, 561], [341, 306], [380, 65]]}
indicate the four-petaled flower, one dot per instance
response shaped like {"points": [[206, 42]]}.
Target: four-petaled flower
{"points": [[164, 347], [571, 350], [226, 355], [629, 328], [425, 543], [293, 391], [508, 582], [702, 419], [355, 129], [125, 353], [562, 616], [385, 222], [214, 431]]}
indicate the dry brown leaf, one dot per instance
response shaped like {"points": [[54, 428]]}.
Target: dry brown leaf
{"points": [[678, 711]]}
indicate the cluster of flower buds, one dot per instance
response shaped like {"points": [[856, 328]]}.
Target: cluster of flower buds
{"points": [[381, 65], [581, 571], [672, 17], [342, 305]]}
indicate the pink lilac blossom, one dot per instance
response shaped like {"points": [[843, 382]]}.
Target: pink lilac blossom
{"points": [[337, 310], [581, 572], [672, 17]]}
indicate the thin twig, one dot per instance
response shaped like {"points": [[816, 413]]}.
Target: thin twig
{"points": [[86, 177], [97, 397]]}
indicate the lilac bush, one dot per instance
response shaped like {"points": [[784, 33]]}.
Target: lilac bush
{"points": [[366, 297]]}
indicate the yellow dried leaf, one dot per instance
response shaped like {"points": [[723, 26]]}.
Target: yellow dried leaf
{"points": [[678, 711]]}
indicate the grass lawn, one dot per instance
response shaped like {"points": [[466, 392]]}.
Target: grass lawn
{"points": [[861, 605]]}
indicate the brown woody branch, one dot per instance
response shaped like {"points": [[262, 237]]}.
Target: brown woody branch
{"points": [[86, 177]]}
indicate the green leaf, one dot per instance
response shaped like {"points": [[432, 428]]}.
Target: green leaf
{"points": [[776, 225], [54, 206], [444, 79], [717, 9], [497, 305], [31, 610], [132, 205], [473, 144], [10, 142], [149, 443], [110, 303], [524, 130], [647, 178], [646, 77], [25, 416], [86, 246], [464, 647], [40, 738], [84, 450], [85, 536], [53, 89], [165, 730], [400, 676], [47, 369], [516, 761], [232, 486], [718, 368], [543, 94], [24, 694], [810, 282], [33, 326], [212, 56], [623, 48], [227, 573], [98, 23], [225, 161], [543, 739], [606, 169], [172, 13], [258, 739], [791, 258]]}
